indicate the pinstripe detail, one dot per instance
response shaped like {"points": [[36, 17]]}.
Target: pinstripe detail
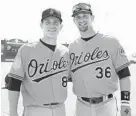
{"points": [[15, 76], [123, 66]]}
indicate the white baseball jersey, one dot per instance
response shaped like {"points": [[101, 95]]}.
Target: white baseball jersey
{"points": [[94, 65], [44, 73]]}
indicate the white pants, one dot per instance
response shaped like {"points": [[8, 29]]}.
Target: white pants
{"points": [[106, 108], [42, 111]]}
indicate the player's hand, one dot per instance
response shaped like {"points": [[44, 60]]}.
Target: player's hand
{"points": [[16, 114], [13, 113], [125, 110]]}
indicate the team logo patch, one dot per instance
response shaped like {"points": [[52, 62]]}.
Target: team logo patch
{"points": [[122, 52], [51, 11], [81, 7], [78, 8]]}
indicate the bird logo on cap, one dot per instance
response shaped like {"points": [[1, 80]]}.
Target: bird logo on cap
{"points": [[51, 11], [82, 7], [78, 7]]}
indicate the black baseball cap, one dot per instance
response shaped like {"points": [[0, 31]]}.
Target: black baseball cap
{"points": [[81, 7], [51, 12]]}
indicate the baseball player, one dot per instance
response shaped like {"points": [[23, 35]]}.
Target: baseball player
{"points": [[98, 64], [40, 72]]}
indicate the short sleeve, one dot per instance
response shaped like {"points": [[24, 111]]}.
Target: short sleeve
{"points": [[17, 70], [120, 58]]}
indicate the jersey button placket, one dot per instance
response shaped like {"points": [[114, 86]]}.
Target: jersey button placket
{"points": [[51, 78]]}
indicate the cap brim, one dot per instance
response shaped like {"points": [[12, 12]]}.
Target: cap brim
{"points": [[83, 11]]}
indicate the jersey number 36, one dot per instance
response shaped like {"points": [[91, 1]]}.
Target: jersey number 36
{"points": [[103, 72]]}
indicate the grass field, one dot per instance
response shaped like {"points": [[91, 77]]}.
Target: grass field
{"points": [[70, 103]]}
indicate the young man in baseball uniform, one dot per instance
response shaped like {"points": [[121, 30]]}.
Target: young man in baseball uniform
{"points": [[41, 70], [98, 64]]}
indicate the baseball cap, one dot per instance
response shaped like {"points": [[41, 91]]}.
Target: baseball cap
{"points": [[51, 12], [81, 7]]}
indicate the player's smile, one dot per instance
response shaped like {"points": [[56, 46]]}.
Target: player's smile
{"points": [[52, 30], [82, 24]]}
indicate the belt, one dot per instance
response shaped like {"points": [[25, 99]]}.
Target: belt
{"points": [[51, 104], [96, 100]]}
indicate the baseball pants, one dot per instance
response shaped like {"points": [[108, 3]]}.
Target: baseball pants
{"points": [[106, 108], [43, 111]]}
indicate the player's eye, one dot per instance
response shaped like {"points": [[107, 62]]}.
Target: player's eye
{"points": [[47, 22], [85, 16], [56, 23], [77, 17]]}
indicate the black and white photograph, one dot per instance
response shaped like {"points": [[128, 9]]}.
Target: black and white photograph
{"points": [[68, 58]]}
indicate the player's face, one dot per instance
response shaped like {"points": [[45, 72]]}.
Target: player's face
{"points": [[51, 27], [83, 21]]}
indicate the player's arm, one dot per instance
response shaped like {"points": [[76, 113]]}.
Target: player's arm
{"points": [[121, 64], [15, 78], [69, 79], [13, 102], [13, 87], [124, 77], [125, 87], [69, 63]]}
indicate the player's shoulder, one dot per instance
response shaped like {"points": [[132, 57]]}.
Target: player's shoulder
{"points": [[108, 38], [28, 46], [31, 44]]}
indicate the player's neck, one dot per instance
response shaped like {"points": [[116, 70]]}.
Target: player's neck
{"points": [[89, 33], [51, 41]]}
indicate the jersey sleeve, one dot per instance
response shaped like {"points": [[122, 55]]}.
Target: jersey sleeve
{"points": [[120, 59], [17, 70]]}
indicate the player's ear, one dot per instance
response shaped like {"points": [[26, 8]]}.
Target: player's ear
{"points": [[74, 20], [92, 17], [61, 25], [41, 24]]}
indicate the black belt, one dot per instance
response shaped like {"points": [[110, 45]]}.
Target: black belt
{"points": [[96, 100], [51, 104]]}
